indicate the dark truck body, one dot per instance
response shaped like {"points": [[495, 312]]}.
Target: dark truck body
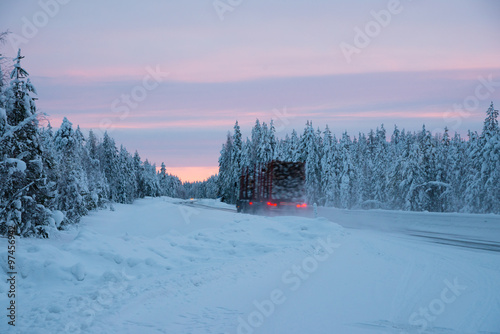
{"points": [[274, 186]]}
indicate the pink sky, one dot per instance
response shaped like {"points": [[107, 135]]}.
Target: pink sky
{"points": [[264, 58]]}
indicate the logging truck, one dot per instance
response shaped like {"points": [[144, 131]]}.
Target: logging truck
{"points": [[274, 186]]}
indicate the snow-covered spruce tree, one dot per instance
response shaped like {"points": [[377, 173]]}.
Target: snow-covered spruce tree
{"points": [[176, 189], [97, 183], [294, 147], [433, 191], [246, 154], [26, 197], [72, 187], [489, 174], [395, 200], [151, 183], [327, 167], [474, 195], [363, 162], [108, 157], [311, 156], [162, 179], [255, 141], [347, 177], [424, 160], [263, 148], [303, 143], [380, 166], [166, 182], [226, 172], [267, 143], [139, 176], [456, 173], [126, 183], [211, 187], [236, 162], [409, 172], [282, 148], [443, 169], [335, 175], [272, 140]]}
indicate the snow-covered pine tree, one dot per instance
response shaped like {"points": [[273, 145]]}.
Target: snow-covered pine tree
{"points": [[176, 189], [282, 151], [398, 145], [272, 140], [211, 187], [380, 166], [490, 127], [97, 183], [336, 173], [256, 141], [236, 157], [294, 154], [311, 156], [25, 194], [267, 143], [347, 176], [164, 181], [474, 194], [443, 164], [139, 175], [226, 172], [246, 154], [457, 173], [127, 185], [150, 176], [363, 161], [264, 153], [432, 190], [303, 143], [108, 157], [328, 177], [490, 166], [72, 186]]}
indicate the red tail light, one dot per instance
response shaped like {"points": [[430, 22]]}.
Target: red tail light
{"points": [[303, 205], [272, 204], [251, 203]]}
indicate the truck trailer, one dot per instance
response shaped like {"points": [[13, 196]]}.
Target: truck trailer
{"points": [[277, 186]]}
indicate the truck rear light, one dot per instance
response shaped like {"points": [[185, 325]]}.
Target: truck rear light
{"points": [[303, 205]]}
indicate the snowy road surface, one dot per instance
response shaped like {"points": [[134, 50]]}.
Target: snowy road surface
{"points": [[159, 266], [461, 230]]}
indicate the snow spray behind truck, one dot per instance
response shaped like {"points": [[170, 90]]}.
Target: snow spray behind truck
{"points": [[276, 186]]}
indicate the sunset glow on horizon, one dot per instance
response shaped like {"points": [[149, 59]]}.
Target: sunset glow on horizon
{"points": [[169, 79]]}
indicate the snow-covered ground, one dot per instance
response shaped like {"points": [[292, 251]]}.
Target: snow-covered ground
{"points": [[165, 265]]}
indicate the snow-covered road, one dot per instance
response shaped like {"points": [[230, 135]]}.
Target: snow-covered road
{"points": [[160, 266], [456, 229]]}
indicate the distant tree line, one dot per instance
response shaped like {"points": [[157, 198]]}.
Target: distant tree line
{"points": [[49, 179], [201, 189], [414, 171]]}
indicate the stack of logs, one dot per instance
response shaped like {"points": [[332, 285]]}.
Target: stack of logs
{"points": [[288, 180]]}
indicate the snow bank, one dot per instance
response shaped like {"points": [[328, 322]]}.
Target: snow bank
{"points": [[160, 266]]}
